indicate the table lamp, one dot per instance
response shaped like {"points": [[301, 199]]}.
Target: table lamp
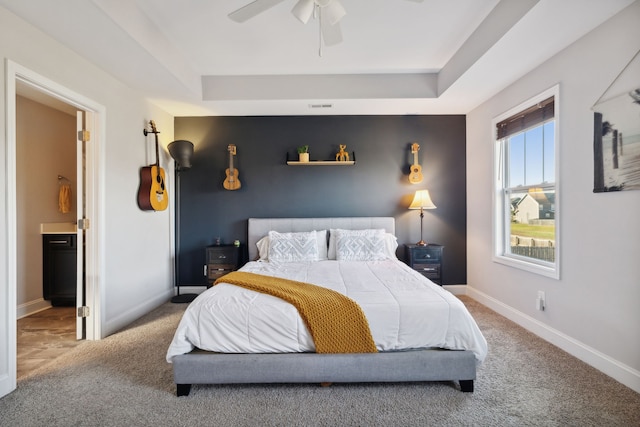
{"points": [[422, 200]]}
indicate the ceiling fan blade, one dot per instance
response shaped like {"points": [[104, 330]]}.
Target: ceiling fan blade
{"points": [[303, 10], [331, 34], [333, 12], [252, 9]]}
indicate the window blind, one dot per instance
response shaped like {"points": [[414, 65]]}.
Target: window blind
{"points": [[526, 119]]}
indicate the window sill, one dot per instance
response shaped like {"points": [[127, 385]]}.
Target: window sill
{"points": [[552, 271]]}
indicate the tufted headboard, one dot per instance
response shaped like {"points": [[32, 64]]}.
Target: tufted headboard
{"points": [[260, 227]]}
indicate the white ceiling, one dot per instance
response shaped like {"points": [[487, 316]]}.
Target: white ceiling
{"points": [[397, 57]]}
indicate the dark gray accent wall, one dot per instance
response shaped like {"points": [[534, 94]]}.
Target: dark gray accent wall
{"points": [[377, 185]]}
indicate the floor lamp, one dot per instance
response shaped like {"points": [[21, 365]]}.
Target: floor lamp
{"points": [[181, 151], [422, 201]]}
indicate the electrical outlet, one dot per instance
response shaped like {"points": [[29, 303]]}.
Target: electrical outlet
{"points": [[541, 302]]}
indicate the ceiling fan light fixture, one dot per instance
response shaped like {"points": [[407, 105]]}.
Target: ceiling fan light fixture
{"points": [[303, 10]]}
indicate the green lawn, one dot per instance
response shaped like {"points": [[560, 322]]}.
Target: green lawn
{"points": [[535, 231]]}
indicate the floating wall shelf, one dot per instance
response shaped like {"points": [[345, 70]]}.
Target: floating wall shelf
{"points": [[322, 162]]}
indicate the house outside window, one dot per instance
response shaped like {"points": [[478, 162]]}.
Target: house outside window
{"points": [[526, 189]]}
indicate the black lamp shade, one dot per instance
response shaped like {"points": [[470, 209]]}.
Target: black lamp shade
{"points": [[181, 151]]}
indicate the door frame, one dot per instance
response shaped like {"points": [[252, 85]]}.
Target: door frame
{"points": [[94, 268]]}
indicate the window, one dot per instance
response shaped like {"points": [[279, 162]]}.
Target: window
{"points": [[525, 198]]}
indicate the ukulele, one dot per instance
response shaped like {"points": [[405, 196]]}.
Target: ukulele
{"points": [[152, 194], [231, 182], [415, 177]]}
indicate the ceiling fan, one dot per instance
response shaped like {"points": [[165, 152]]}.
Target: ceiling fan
{"points": [[329, 13]]}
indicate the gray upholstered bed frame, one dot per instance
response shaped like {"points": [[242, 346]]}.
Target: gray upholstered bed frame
{"points": [[200, 367]]}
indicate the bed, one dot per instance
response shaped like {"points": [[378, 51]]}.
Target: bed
{"points": [[212, 344]]}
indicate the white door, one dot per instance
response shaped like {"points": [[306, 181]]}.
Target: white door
{"points": [[81, 215]]}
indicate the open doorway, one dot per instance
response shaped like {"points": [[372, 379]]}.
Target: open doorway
{"points": [[89, 124], [46, 231]]}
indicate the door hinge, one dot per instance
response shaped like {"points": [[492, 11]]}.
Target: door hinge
{"points": [[83, 224], [83, 311], [84, 135]]}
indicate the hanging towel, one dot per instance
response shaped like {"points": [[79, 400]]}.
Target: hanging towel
{"points": [[64, 199]]}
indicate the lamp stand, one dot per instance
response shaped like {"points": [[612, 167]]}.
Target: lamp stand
{"points": [[421, 242], [178, 298]]}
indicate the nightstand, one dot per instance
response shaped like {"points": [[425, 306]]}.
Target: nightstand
{"points": [[221, 259], [426, 260]]}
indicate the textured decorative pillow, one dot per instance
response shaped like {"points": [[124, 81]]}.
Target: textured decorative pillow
{"points": [[321, 240], [391, 244], [360, 245], [293, 247]]}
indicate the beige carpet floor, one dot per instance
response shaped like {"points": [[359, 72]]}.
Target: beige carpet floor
{"points": [[124, 380]]}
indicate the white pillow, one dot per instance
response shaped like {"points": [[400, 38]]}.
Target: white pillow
{"points": [[391, 244], [263, 248], [360, 245], [321, 240]]}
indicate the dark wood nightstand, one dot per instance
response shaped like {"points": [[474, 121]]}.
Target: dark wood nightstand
{"points": [[221, 259], [426, 260]]}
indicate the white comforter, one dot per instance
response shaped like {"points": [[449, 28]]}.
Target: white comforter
{"points": [[403, 308]]}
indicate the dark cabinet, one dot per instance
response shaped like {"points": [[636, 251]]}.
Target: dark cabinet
{"points": [[221, 259], [427, 260], [59, 273]]}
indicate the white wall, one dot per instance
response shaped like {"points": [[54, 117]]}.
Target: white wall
{"points": [[592, 311], [136, 263]]}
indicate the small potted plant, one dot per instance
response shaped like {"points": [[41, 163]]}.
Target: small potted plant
{"points": [[303, 153]]}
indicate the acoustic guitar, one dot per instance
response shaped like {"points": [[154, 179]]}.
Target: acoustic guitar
{"points": [[231, 182], [415, 177], [152, 194]]}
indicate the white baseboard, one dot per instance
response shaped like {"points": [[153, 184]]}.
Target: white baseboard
{"points": [[126, 318], [32, 307], [615, 369], [456, 289], [7, 384]]}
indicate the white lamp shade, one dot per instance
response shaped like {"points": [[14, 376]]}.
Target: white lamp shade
{"points": [[422, 200]]}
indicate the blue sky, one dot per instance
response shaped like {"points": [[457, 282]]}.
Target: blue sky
{"points": [[531, 156]]}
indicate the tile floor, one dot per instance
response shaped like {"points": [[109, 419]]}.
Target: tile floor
{"points": [[44, 336]]}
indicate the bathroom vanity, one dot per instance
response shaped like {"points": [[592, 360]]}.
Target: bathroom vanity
{"points": [[59, 264]]}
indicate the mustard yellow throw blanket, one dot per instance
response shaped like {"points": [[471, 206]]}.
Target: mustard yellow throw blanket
{"points": [[336, 322]]}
